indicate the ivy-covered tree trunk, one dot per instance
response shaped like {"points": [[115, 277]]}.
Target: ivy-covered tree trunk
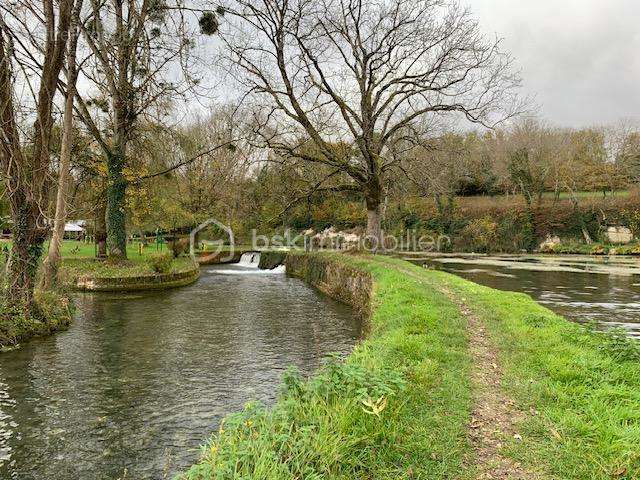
{"points": [[101, 230], [373, 198], [116, 207], [28, 239]]}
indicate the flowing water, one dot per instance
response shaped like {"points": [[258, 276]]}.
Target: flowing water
{"points": [[602, 290], [139, 382]]}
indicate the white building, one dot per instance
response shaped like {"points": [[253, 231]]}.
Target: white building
{"points": [[74, 229]]}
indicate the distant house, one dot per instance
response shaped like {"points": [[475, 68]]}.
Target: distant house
{"points": [[75, 229]]}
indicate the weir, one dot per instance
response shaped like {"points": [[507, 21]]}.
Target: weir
{"points": [[250, 260]]}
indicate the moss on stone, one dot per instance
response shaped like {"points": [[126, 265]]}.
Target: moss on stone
{"points": [[271, 259]]}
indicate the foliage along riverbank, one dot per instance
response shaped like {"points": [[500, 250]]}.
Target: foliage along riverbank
{"points": [[54, 311], [401, 405]]}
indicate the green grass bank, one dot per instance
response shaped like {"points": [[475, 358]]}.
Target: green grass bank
{"points": [[89, 274], [399, 407]]}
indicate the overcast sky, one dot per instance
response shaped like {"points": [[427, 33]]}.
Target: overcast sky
{"points": [[581, 58]]}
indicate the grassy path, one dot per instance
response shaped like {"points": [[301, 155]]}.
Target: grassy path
{"points": [[494, 418], [573, 395]]}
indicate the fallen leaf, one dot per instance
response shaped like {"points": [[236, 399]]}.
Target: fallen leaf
{"points": [[620, 472]]}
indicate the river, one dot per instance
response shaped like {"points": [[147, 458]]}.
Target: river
{"points": [[139, 381], [600, 290]]}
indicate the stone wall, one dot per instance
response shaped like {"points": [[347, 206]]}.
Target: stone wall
{"points": [[271, 259], [141, 282], [341, 282], [215, 258]]}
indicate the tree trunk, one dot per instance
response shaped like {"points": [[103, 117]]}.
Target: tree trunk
{"points": [[101, 230], [375, 237], [116, 215], [28, 239], [25, 167], [52, 262]]}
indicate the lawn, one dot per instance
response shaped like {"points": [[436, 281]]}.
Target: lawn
{"points": [[583, 387], [75, 249]]}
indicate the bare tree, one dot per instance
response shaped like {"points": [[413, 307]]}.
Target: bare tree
{"points": [[25, 153], [448, 158], [52, 262], [622, 142], [353, 77], [534, 153]]}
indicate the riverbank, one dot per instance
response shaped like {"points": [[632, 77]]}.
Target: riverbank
{"points": [[54, 313], [81, 271], [170, 365], [454, 380], [365, 418], [580, 248]]}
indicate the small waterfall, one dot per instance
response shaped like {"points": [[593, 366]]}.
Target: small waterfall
{"points": [[248, 265], [250, 260]]}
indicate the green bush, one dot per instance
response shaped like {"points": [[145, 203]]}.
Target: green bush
{"points": [[631, 218], [161, 262], [481, 234], [335, 414]]}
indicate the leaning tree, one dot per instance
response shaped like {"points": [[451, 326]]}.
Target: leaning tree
{"points": [[363, 73], [33, 40]]}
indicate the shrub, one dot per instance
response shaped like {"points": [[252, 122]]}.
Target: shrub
{"points": [[53, 311], [481, 234], [631, 218], [161, 262], [179, 246]]}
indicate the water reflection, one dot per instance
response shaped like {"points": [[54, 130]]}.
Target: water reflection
{"points": [[609, 297], [138, 382]]}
